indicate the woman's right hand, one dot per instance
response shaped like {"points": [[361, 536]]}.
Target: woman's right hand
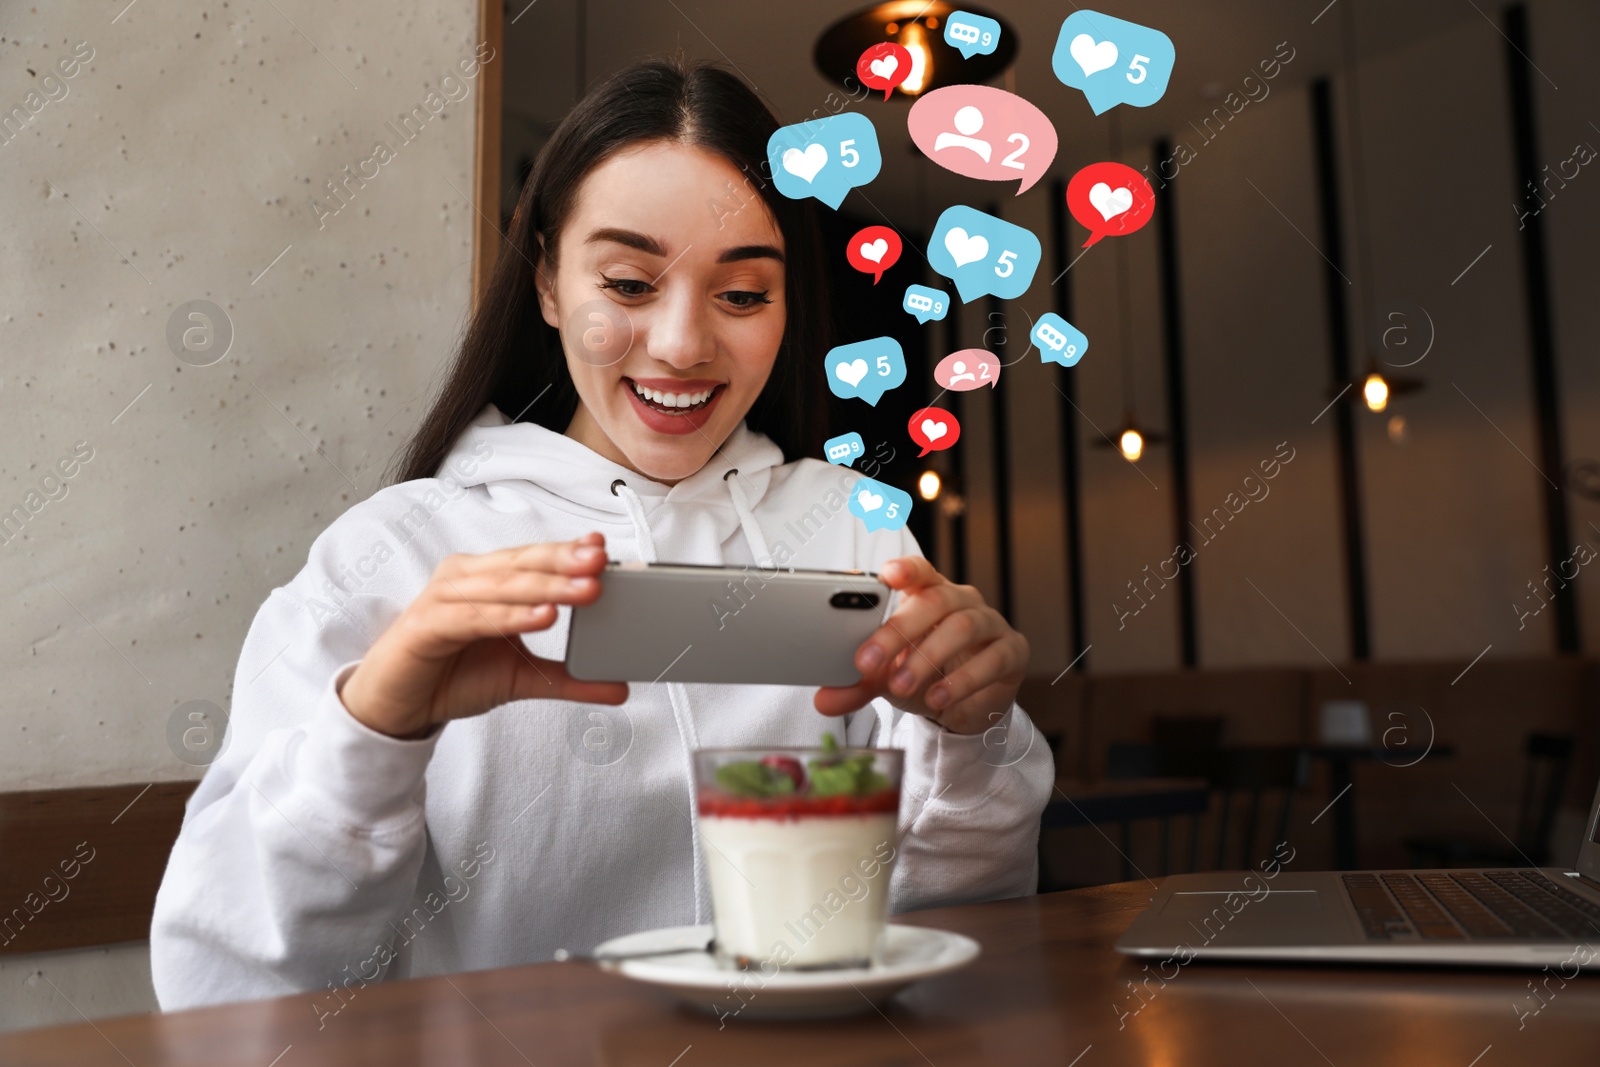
{"points": [[454, 652]]}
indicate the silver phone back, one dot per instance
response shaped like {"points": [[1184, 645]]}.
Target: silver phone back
{"points": [[681, 623]]}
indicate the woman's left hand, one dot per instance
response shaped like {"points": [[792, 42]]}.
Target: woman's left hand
{"points": [[944, 654]]}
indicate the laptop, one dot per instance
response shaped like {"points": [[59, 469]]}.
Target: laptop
{"points": [[1532, 917]]}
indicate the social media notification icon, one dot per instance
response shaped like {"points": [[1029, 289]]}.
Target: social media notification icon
{"points": [[1059, 341], [971, 35], [970, 368], [873, 250], [982, 132], [883, 66], [824, 158], [1112, 61], [866, 369], [1110, 199], [933, 429], [924, 303], [881, 507], [983, 255], [844, 449]]}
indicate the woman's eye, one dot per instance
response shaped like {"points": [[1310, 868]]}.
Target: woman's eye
{"points": [[745, 299], [626, 286]]}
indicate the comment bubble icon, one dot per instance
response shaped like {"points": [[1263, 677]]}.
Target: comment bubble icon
{"points": [[884, 66], [1110, 200], [983, 255], [873, 250], [933, 429], [1112, 61], [979, 131], [866, 369], [825, 157], [923, 303], [970, 368], [881, 507], [971, 35], [845, 449], [1059, 341]]}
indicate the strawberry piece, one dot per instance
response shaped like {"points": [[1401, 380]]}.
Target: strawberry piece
{"points": [[790, 766]]}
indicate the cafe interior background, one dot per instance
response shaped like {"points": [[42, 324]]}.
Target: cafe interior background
{"points": [[1343, 190]]}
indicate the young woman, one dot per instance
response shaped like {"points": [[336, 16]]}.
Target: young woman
{"points": [[411, 783]]}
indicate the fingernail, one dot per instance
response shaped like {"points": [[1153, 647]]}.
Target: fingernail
{"points": [[871, 658], [590, 554], [903, 681], [938, 696]]}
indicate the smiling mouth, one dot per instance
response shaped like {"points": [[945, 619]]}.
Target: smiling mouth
{"points": [[669, 403]]}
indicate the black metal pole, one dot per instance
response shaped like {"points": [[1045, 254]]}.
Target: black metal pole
{"points": [[958, 464], [1000, 454], [1066, 382], [1177, 419], [1541, 332], [1336, 289]]}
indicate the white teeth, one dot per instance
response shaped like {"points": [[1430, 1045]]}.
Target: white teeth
{"points": [[673, 400]]}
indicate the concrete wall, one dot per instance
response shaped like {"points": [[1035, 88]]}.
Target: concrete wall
{"points": [[179, 162]]}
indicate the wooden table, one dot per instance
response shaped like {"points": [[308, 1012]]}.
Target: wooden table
{"points": [[1048, 989]]}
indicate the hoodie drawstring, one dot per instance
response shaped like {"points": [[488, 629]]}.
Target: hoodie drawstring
{"points": [[677, 696], [747, 520], [641, 528]]}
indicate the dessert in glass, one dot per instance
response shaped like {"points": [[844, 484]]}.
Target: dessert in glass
{"points": [[799, 845]]}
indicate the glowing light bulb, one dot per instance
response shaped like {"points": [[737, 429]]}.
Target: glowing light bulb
{"points": [[915, 41], [1376, 391], [928, 485], [1132, 444]]}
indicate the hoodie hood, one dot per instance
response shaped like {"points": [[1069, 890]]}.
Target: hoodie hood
{"points": [[525, 465]]}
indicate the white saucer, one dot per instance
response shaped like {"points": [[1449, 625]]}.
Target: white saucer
{"points": [[910, 953]]}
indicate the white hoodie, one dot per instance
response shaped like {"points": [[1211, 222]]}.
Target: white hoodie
{"points": [[317, 854]]}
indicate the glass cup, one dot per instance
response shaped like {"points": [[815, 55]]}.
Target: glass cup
{"points": [[799, 845]]}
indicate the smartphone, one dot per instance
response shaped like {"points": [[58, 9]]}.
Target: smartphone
{"points": [[678, 622]]}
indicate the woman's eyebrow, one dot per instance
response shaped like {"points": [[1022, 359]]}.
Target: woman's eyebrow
{"points": [[631, 238], [750, 252]]}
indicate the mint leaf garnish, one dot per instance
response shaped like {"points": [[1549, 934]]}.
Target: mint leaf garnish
{"points": [[852, 776], [750, 778]]}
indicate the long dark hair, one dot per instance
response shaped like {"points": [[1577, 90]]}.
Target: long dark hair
{"points": [[510, 354]]}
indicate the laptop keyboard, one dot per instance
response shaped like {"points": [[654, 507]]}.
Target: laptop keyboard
{"points": [[1471, 905]]}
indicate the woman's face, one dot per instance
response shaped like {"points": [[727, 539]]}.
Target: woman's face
{"points": [[659, 239]]}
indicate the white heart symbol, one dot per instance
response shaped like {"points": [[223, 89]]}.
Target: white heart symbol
{"points": [[965, 248], [869, 500], [1093, 57], [804, 165], [885, 66], [1110, 202], [874, 250], [852, 372], [933, 430]]}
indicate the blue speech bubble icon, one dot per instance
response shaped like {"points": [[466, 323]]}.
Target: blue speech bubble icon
{"points": [[970, 34], [867, 369], [983, 254], [924, 303], [844, 449], [824, 158], [881, 507], [1112, 61], [1059, 341]]}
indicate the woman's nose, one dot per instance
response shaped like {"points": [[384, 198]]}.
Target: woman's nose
{"points": [[678, 332]]}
